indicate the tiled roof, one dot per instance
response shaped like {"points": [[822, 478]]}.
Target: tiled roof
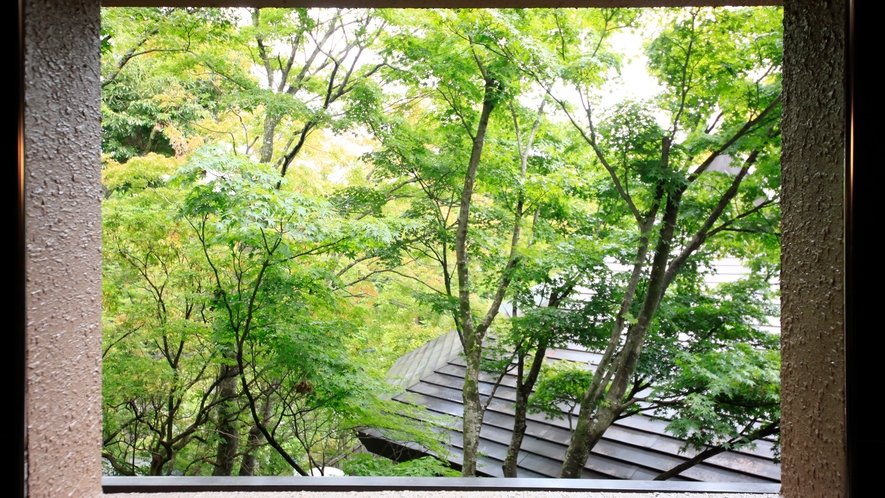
{"points": [[635, 447], [424, 360]]}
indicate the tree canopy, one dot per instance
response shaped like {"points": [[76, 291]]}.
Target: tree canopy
{"points": [[296, 197]]}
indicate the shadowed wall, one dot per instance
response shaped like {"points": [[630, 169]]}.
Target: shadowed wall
{"points": [[812, 275]]}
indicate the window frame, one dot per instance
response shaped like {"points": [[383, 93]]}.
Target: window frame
{"points": [[852, 216]]}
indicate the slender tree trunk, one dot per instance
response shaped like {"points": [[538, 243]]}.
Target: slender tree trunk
{"points": [[524, 384], [768, 430], [471, 336], [519, 428], [700, 457], [472, 421], [599, 407], [267, 138], [248, 463], [228, 412], [523, 391]]}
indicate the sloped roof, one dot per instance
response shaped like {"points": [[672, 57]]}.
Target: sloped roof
{"points": [[636, 447], [413, 366]]}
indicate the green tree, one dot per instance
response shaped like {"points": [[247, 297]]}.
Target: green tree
{"points": [[285, 331], [467, 154], [222, 312], [720, 74], [571, 302], [496, 176], [170, 74], [312, 61], [721, 401], [159, 360], [152, 98], [176, 78]]}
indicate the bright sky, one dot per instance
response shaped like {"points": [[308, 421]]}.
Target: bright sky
{"points": [[635, 82]]}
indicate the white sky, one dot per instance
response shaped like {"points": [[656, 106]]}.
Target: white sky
{"points": [[635, 82]]}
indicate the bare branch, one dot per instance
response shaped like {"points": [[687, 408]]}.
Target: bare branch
{"points": [[748, 126]]}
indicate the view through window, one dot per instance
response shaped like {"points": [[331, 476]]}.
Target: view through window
{"points": [[526, 219]]}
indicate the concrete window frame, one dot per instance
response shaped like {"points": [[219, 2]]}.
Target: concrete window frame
{"points": [[62, 234]]}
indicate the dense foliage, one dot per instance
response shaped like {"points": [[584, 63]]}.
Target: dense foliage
{"points": [[295, 198]]}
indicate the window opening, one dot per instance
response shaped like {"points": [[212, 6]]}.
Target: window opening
{"points": [[296, 198]]}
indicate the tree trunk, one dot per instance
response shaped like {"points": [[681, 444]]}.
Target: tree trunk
{"points": [[227, 422], [600, 407], [472, 422], [588, 431], [519, 428], [157, 463], [523, 391], [248, 463], [768, 430], [471, 336], [700, 457], [267, 138]]}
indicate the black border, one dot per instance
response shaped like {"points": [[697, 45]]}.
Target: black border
{"points": [[13, 366], [864, 338]]}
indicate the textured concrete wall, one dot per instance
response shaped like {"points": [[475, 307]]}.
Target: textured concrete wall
{"points": [[63, 239], [812, 280]]}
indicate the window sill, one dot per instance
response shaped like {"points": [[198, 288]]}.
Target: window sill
{"points": [[346, 484]]}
